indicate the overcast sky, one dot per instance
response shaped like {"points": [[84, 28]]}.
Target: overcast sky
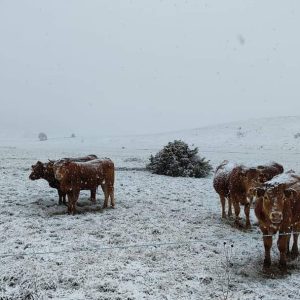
{"points": [[127, 67]]}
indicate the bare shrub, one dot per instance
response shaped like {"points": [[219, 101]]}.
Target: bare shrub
{"points": [[42, 136]]}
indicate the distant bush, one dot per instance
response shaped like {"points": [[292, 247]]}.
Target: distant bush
{"points": [[297, 135], [240, 133], [73, 135], [43, 136], [176, 159]]}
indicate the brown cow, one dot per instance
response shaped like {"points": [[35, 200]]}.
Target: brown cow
{"points": [[76, 176], [45, 171], [274, 212], [243, 179], [293, 194], [221, 184]]}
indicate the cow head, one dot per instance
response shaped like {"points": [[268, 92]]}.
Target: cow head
{"points": [[274, 201], [61, 170], [38, 171], [250, 176]]}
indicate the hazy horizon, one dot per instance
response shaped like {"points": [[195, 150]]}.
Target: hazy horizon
{"points": [[139, 67]]}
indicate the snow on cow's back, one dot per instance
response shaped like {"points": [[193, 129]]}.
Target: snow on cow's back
{"points": [[225, 168], [221, 177], [288, 178]]}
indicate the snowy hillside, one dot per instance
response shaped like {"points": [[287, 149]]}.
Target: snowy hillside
{"points": [[164, 240]]}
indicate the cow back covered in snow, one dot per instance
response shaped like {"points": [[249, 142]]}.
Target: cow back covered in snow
{"points": [[278, 210], [76, 176], [46, 171]]}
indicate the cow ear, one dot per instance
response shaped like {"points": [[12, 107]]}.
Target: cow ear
{"points": [[288, 193], [259, 192]]}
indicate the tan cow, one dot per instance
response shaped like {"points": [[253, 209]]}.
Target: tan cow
{"points": [[277, 210], [76, 176], [221, 184]]}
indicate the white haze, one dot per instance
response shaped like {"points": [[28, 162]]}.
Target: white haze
{"points": [[130, 67]]}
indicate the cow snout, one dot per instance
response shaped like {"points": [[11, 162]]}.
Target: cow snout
{"points": [[276, 217], [31, 177], [58, 175]]}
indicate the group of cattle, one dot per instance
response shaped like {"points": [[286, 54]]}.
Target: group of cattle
{"points": [[277, 202], [276, 193], [71, 175]]}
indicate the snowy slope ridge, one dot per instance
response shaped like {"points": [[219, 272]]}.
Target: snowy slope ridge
{"points": [[268, 133]]}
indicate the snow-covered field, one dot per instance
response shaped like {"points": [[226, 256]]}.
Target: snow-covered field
{"points": [[111, 254]]}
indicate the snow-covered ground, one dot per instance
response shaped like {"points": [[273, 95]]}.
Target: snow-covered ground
{"points": [[111, 254]]}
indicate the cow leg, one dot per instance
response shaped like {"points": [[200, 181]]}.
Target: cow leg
{"points": [[288, 253], [70, 201], [64, 198], [237, 209], [222, 198], [74, 200], [281, 243], [295, 251], [247, 214], [60, 196], [105, 190], [93, 195], [112, 196], [229, 207], [267, 244]]}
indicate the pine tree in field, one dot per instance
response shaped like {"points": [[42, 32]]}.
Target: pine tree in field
{"points": [[177, 159]]}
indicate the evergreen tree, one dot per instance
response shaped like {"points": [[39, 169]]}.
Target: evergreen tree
{"points": [[177, 159]]}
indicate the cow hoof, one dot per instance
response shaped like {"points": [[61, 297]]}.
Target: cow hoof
{"points": [[282, 265], [248, 226], [294, 254], [112, 207], [224, 216], [238, 224], [267, 264], [283, 269]]}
